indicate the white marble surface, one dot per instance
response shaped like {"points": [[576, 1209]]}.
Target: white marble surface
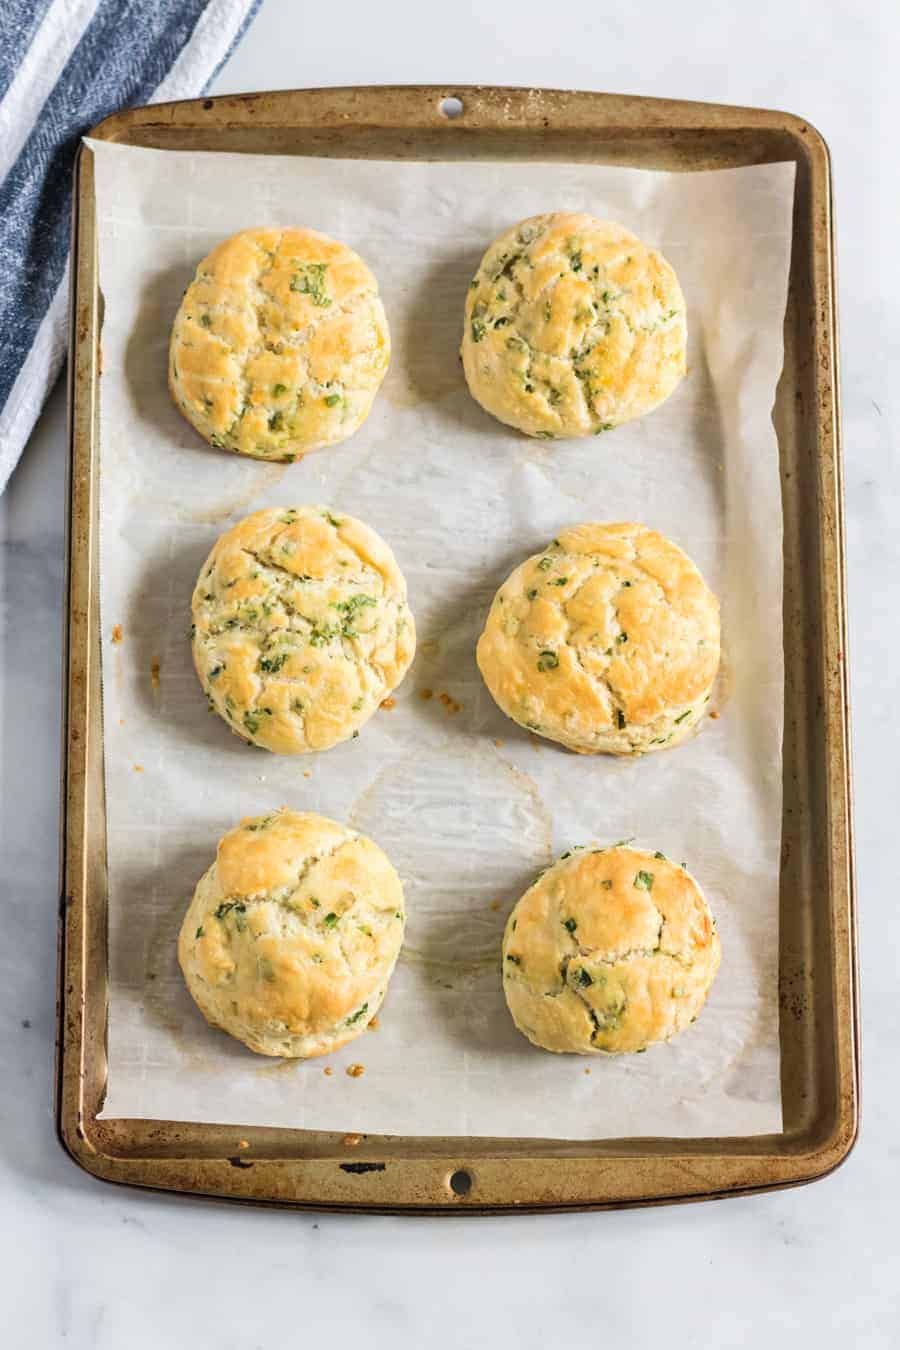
{"points": [[90, 1266]]}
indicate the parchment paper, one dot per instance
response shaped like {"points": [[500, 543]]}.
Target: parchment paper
{"points": [[467, 806]]}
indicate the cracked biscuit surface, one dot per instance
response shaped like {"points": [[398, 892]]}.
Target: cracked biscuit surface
{"points": [[609, 951], [572, 326], [301, 627], [292, 934], [279, 344], [608, 641]]}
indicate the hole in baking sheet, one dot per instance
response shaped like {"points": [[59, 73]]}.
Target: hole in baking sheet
{"points": [[452, 107], [460, 1183]]}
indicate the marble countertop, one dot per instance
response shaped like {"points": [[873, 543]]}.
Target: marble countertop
{"points": [[91, 1266]]}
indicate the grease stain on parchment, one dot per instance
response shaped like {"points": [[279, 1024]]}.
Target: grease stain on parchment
{"points": [[464, 828], [267, 476]]}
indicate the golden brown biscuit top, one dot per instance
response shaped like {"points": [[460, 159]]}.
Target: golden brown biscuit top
{"points": [[610, 949], [572, 326], [302, 922], [300, 626], [614, 901], [611, 625], [279, 337]]}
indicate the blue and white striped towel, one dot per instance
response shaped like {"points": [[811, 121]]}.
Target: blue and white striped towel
{"points": [[64, 65]]}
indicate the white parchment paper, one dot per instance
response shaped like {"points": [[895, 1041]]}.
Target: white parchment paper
{"points": [[466, 805]]}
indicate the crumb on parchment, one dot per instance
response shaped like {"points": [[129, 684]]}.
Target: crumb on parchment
{"points": [[154, 672], [495, 905], [138, 768], [388, 703], [449, 703], [426, 694], [117, 634], [328, 1071], [373, 1025], [498, 742], [355, 1070], [714, 715]]}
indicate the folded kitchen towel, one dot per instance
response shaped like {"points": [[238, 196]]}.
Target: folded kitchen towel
{"points": [[65, 65]]}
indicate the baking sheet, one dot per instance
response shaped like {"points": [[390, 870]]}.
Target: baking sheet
{"points": [[467, 821]]}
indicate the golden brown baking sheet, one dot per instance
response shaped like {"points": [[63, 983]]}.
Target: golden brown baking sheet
{"points": [[817, 984]]}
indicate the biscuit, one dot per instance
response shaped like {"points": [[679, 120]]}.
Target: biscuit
{"points": [[301, 627], [572, 326], [292, 934], [279, 344], [608, 641], [610, 950]]}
